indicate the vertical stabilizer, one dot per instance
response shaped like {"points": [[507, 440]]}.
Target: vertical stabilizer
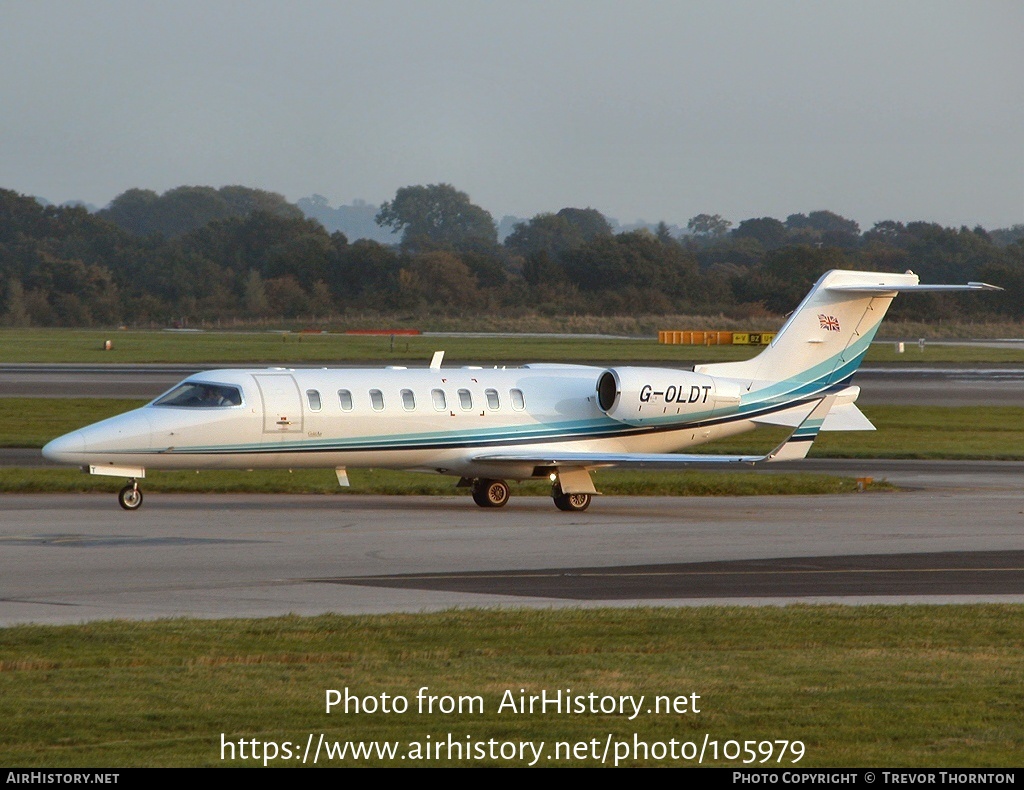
{"points": [[824, 339]]}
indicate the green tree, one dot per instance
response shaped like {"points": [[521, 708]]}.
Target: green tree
{"points": [[547, 233], [438, 217], [635, 261], [286, 297], [487, 269], [364, 273], [440, 280], [16, 313], [590, 222], [541, 270], [134, 210], [888, 231], [786, 275], [275, 246], [823, 222], [255, 295], [767, 231], [823, 227], [321, 303], [1003, 237], [184, 209], [709, 225], [1009, 274]]}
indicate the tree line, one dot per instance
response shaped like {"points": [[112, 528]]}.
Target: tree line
{"points": [[200, 255]]}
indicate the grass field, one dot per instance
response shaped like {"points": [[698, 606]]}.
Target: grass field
{"points": [[202, 348], [329, 349], [858, 686]]}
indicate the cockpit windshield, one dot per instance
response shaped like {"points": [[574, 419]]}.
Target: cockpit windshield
{"points": [[198, 394]]}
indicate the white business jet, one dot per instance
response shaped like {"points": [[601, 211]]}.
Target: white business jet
{"points": [[486, 426]]}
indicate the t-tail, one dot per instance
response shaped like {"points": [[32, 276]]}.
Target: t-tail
{"points": [[822, 344]]}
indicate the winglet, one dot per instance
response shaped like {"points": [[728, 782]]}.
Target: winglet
{"points": [[799, 442]]}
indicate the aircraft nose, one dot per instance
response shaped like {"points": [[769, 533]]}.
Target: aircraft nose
{"points": [[66, 449]]}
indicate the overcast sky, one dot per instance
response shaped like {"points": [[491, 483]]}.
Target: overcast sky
{"points": [[660, 110]]}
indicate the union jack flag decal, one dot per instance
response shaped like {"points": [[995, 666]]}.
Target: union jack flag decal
{"points": [[829, 322]]}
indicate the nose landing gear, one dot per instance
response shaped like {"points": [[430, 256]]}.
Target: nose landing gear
{"points": [[130, 497]]}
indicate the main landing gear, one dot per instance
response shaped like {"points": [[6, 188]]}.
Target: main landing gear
{"points": [[495, 493], [490, 493], [569, 502], [130, 497]]}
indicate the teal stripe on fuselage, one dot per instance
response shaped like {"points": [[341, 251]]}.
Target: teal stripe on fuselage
{"points": [[522, 434], [811, 382]]}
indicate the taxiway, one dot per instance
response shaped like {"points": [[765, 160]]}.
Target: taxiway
{"points": [[954, 533], [71, 558]]}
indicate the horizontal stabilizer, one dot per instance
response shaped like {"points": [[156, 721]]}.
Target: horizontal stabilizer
{"points": [[882, 288], [845, 417]]}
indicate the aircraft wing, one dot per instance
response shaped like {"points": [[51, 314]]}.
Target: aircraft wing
{"points": [[627, 460], [793, 448]]}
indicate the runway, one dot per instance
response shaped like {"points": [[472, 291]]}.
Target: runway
{"points": [[72, 558]]}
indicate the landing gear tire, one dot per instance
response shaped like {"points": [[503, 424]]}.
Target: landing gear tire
{"points": [[490, 493], [571, 503], [130, 497]]}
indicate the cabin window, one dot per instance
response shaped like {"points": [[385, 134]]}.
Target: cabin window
{"points": [[345, 399], [313, 398], [439, 400], [518, 401], [492, 399], [466, 400], [377, 400], [408, 400], [197, 394]]}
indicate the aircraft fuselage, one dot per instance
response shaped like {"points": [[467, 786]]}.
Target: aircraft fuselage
{"points": [[434, 420]]}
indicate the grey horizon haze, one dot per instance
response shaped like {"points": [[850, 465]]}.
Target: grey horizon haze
{"points": [[656, 110]]}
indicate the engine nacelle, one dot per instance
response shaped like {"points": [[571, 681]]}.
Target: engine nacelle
{"points": [[641, 396]]}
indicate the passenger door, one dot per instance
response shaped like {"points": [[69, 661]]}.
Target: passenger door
{"points": [[282, 403]]}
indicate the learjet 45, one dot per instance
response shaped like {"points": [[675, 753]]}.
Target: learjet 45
{"points": [[486, 426]]}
